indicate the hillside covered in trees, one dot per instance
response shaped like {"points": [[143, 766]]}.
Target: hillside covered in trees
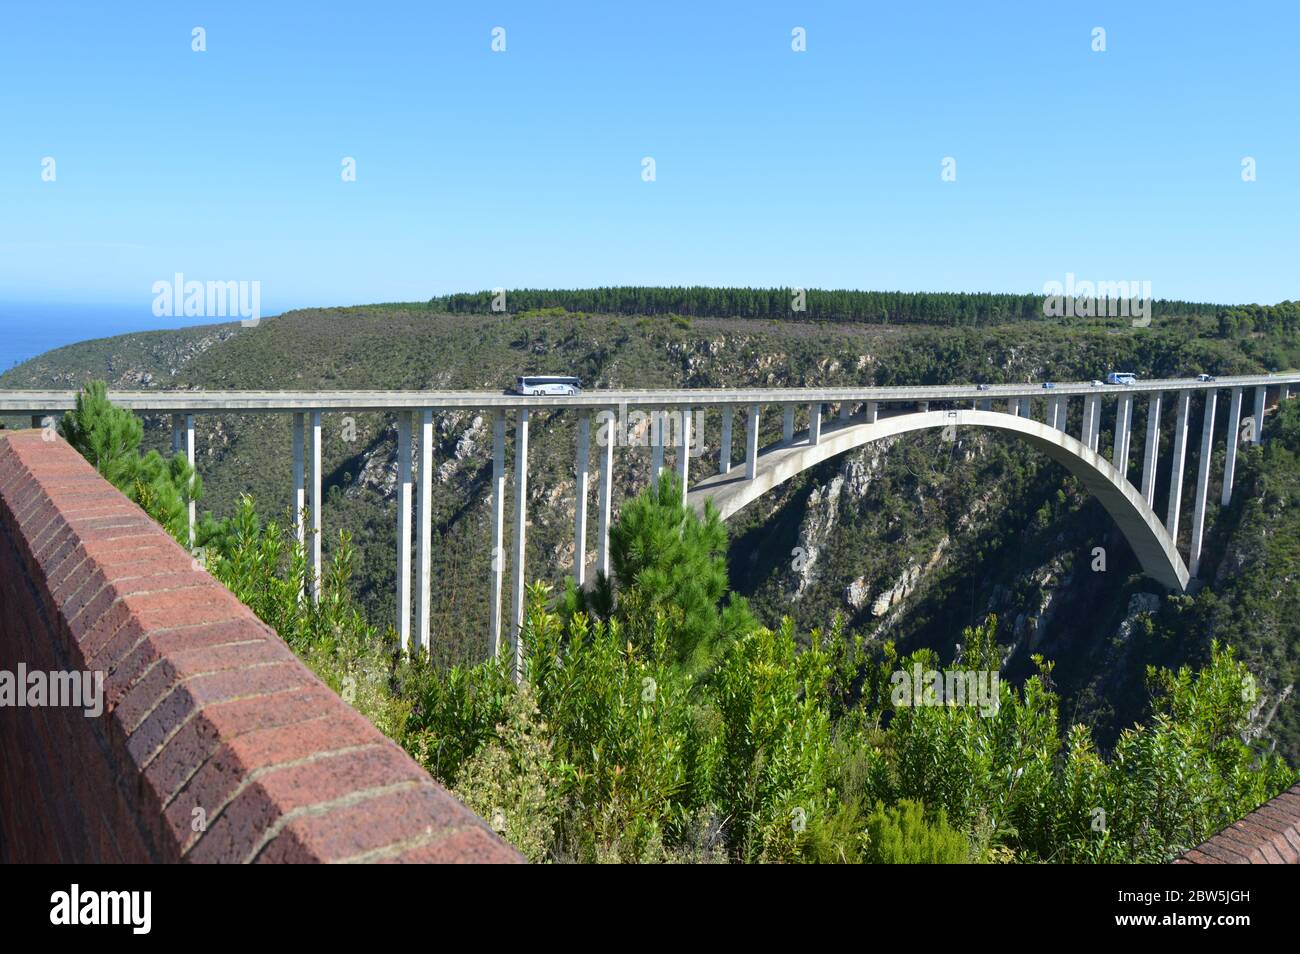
{"points": [[814, 304], [915, 539]]}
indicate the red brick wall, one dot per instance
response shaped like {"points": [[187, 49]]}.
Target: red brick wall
{"points": [[215, 743], [1270, 835]]}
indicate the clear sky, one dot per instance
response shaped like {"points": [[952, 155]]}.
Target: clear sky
{"points": [[478, 169]]}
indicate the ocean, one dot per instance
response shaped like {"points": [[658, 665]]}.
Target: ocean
{"points": [[28, 329]]}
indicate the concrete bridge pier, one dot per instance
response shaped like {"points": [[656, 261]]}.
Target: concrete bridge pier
{"points": [[1056, 412], [176, 432], [1260, 394], [724, 446], [1202, 480], [517, 606], [299, 485], [581, 486], [814, 424], [424, 535], [404, 501], [751, 443], [498, 527], [1176, 470], [1091, 432], [1151, 456], [315, 483], [1123, 425], [684, 452], [605, 494], [873, 411], [787, 423], [189, 454], [657, 421], [1234, 435], [846, 410]]}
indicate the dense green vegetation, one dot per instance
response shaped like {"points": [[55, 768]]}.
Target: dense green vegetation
{"points": [[930, 308]]}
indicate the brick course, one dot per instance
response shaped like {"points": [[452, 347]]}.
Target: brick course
{"points": [[1270, 835], [207, 713]]}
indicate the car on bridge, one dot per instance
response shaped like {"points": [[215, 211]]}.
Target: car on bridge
{"points": [[982, 387], [1049, 384], [1205, 377], [545, 384]]}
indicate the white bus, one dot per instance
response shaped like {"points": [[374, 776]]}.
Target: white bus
{"points": [[546, 384], [1121, 377]]}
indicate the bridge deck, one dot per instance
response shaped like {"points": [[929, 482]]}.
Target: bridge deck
{"points": [[17, 402]]}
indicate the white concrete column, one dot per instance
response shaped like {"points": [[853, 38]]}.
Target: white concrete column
{"points": [[1056, 412], [1260, 393], [1151, 456], [657, 438], [176, 432], [424, 536], [314, 459], [517, 606], [404, 528], [724, 450], [684, 453], [846, 410], [1176, 471], [1230, 461], [606, 493], [984, 404], [873, 411], [814, 424], [1202, 480], [498, 565], [581, 486], [922, 407], [787, 423], [190, 455], [1092, 421], [751, 443], [1123, 425], [300, 480]]}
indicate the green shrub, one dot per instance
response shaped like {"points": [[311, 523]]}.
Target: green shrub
{"points": [[901, 835], [109, 437]]}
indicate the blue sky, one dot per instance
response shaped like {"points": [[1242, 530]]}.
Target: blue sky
{"points": [[478, 169]]}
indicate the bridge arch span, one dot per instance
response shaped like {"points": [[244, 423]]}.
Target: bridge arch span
{"points": [[1143, 530]]}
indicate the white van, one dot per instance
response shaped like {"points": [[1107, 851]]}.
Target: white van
{"points": [[546, 384], [1121, 377]]}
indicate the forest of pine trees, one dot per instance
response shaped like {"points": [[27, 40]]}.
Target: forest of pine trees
{"points": [[939, 308]]}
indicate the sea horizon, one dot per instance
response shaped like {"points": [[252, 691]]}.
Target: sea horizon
{"points": [[29, 329]]}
